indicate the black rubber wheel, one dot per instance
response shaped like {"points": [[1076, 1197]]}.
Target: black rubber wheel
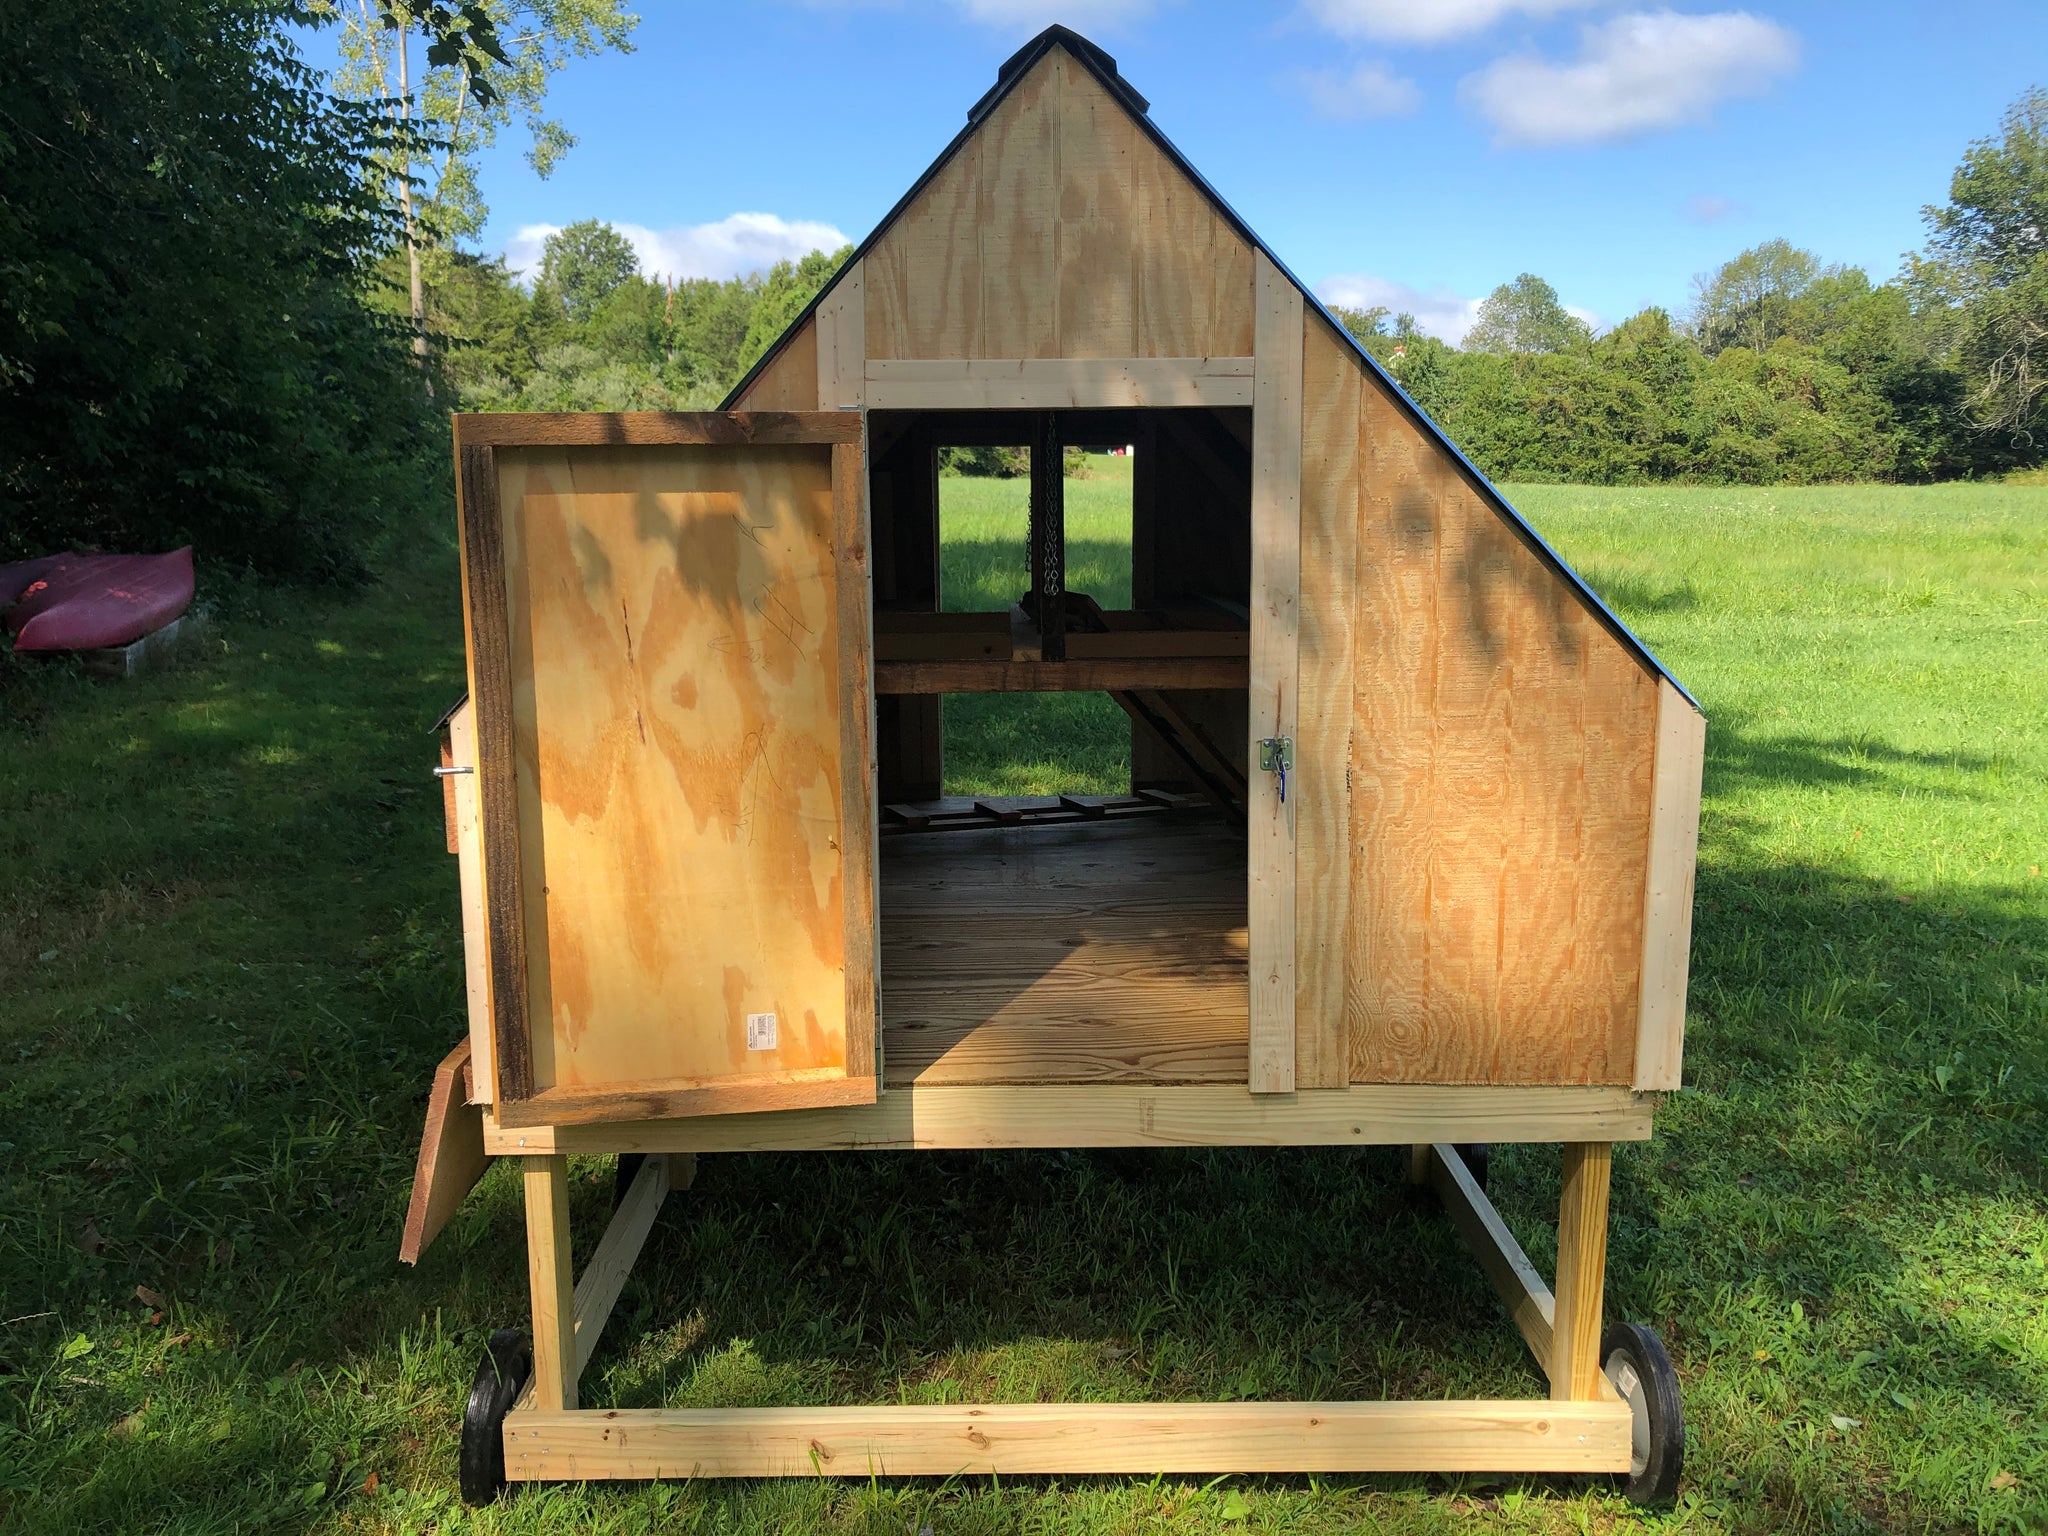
{"points": [[1634, 1360], [1477, 1155], [507, 1362], [622, 1179]]}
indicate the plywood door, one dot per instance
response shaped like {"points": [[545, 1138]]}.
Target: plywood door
{"points": [[689, 696]]}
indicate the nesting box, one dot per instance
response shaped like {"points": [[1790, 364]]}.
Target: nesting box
{"points": [[1406, 857]]}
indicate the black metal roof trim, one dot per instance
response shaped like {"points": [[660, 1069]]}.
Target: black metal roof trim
{"points": [[1103, 68]]}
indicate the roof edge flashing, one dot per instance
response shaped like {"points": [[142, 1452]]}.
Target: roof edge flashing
{"points": [[1099, 63]]}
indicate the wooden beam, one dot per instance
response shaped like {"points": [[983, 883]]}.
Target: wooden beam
{"points": [[451, 1157], [1055, 383], [551, 1278], [1275, 668], [469, 866], [1514, 1278], [1121, 1115], [637, 429], [842, 343], [859, 827], [1075, 1438], [1667, 899], [611, 1261], [1075, 675], [797, 1088], [490, 690], [1581, 1272]]}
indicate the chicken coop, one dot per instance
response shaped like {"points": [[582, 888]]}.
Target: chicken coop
{"points": [[1406, 857]]}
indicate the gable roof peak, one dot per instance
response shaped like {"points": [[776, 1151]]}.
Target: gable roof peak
{"points": [[1098, 62]]}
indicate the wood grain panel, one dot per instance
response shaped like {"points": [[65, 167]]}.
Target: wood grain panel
{"points": [[689, 782], [1501, 781], [1331, 484], [1059, 230], [1275, 699], [1097, 147], [922, 282], [790, 381], [1018, 219]]}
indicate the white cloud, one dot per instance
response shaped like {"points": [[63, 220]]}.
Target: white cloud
{"points": [[1370, 90], [1427, 21], [1634, 74], [736, 244], [1440, 312]]}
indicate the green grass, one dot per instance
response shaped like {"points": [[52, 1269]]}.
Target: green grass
{"points": [[1034, 743], [229, 952]]}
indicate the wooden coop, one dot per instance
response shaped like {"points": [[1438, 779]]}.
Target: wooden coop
{"points": [[1407, 857]]}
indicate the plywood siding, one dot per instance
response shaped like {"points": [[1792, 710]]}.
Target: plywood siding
{"points": [[1059, 230], [678, 718], [1475, 902], [790, 381]]}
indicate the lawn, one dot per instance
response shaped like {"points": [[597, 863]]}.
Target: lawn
{"points": [[229, 956]]}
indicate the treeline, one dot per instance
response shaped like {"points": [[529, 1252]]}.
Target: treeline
{"points": [[1783, 370], [595, 333]]}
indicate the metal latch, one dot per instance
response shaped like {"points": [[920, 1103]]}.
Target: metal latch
{"points": [[1276, 755]]}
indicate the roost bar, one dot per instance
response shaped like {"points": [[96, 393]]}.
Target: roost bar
{"points": [[1406, 857]]}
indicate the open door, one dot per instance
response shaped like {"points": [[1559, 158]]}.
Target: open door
{"points": [[669, 651]]}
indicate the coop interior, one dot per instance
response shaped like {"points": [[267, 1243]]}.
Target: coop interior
{"points": [[1089, 934]]}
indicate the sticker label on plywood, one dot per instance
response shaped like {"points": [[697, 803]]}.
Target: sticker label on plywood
{"points": [[760, 1031]]}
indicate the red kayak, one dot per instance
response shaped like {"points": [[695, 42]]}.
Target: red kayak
{"points": [[90, 602]]}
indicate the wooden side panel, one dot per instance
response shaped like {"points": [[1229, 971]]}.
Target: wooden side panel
{"points": [[1331, 487], [1667, 900], [790, 381], [1270, 811], [1059, 230], [840, 325], [693, 772], [1500, 763]]}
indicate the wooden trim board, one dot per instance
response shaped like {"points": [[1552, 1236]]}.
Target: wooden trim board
{"points": [[1121, 1115], [1054, 383], [469, 866], [647, 429], [842, 343], [942, 1441], [1275, 670], [860, 826], [452, 1156], [1667, 897], [490, 692]]}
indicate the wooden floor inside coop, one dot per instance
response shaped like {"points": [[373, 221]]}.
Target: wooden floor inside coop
{"points": [[1105, 951]]}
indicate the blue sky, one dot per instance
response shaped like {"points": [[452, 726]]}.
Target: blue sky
{"points": [[1410, 152]]}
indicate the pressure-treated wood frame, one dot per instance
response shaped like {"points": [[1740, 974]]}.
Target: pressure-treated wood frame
{"points": [[1583, 1427]]}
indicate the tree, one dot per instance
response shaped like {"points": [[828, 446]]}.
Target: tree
{"points": [[189, 224], [1750, 301], [469, 86], [1525, 316], [583, 264], [1364, 324], [1986, 272]]}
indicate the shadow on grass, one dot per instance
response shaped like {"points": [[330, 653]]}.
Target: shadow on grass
{"points": [[1743, 750]]}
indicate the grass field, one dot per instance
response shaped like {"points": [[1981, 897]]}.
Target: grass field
{"points": [[229, 960]]}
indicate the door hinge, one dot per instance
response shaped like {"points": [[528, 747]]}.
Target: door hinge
{"points": [[1276, 755]]}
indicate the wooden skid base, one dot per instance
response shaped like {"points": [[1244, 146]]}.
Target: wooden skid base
{"points": [[1073, 1438]]}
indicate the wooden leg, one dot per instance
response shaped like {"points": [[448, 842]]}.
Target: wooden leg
{"points": [[1581, 1271], [1418, 1162], [553, 1282], [682, 1169]]}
